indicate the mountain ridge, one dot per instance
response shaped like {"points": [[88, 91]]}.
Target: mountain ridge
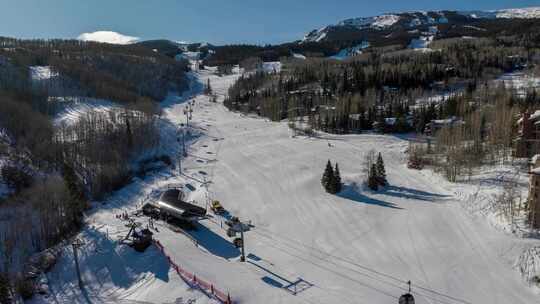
{"points": [[414, 19]]}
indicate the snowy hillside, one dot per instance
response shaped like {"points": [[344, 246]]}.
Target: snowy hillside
{"points": [[377, 22], [71, 109], [413, 20], [306, 246], [108, 37], [523, 13]]}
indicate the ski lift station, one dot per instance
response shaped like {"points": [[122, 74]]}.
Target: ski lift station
{"points": [[171, 204]]}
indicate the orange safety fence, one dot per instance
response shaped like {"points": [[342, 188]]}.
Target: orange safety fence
{"points": [[208, 288]]}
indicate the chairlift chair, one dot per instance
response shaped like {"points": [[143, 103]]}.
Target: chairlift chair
{"points": [[238, 242], [408, 297], [231, 232]]}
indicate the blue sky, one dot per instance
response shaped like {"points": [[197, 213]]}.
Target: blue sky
{"points": [[215, 21]]}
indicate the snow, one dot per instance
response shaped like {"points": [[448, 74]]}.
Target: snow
{"points": [[355, 247], [421, 43], [474, 28], [352, 51], [73, 108], [377, 22], [321, 37], [535, 115], [519, 81], [108, 37], [189, 56], [298, 56], [39, 73], [523, 13], [271, 67], [415, 22]]}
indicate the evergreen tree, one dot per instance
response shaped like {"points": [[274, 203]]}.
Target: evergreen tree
{"points": [[328, 177], [337, 180], [5, 294], [381, 171], [373, 184]]}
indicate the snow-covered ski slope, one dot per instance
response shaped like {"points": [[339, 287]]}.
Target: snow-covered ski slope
{"points": [[356, 247]]}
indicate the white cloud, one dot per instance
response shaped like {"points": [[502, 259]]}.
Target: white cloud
{"points": [[108, 37]]}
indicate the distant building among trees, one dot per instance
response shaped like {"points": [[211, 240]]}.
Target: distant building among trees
{"points": [[527, 143]]}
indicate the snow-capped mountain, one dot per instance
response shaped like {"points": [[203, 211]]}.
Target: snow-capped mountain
{"points": [[382, 21], [386, 24], [522, 13]]}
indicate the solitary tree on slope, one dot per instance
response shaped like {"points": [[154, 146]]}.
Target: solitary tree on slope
{"points": [[328, 177], [381, 171]]}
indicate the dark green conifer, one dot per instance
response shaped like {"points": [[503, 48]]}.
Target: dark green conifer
{"points": [[328, 177], [381, 171]]}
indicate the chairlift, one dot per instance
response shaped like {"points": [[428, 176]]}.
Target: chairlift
{"points": [[238, 242], [408, 297], [231, 232]]}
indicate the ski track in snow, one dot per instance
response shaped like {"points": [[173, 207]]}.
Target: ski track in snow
{"points": [[355, 247]]}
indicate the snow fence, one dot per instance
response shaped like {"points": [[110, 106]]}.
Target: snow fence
{"points": [[194, 281]]}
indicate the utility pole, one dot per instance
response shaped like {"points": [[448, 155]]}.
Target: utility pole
{"points": [[76, 245], [188, 110], [243, 257], [184, 143], [179, 164], [205, 184]]}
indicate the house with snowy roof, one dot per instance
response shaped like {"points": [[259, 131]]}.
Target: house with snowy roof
{"points": [[435, 125]]}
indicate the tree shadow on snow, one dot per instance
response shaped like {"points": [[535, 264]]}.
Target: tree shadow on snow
{"points": [[408, 193], [353, 192]]}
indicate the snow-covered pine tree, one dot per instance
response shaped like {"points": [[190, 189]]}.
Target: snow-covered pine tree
{"points": [[373, 183], [337, 180], [381, 171], [328, 177]]}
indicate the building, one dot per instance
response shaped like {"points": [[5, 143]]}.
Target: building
{"points": [[436, 125], [527, 143], [534, 192]]}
